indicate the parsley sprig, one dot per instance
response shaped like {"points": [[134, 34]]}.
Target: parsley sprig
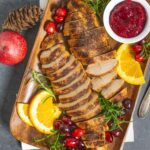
{"points": [[146, 50], [52, 141], [43, 82], [97, 5], [111, 112]]}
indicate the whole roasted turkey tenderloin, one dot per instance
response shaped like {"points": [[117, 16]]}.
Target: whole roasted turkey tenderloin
{"points": [[72, 86]]}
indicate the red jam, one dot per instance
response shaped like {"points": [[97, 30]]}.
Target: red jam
{"points": [[128, 19]]}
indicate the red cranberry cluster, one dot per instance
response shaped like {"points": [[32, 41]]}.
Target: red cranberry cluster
{"points": [[59, 16], [127, 104], [137, 48], [72, 133]]}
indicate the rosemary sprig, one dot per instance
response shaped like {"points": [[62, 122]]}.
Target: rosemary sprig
{"points": [[97, 5], [43, 82], [146, 50], [111, 112], [53, 141]]}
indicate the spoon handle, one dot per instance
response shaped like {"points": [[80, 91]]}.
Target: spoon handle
{"points": [[145, 105]]}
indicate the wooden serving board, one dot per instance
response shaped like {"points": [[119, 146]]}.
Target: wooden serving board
{"points": [[25, 133]]}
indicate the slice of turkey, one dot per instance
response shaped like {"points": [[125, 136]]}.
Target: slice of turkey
{"points": [[113, 88], [68, 78], [101, 68], [77, 103], [84, 108], [98, 83], [70, 87], [119, 97], [76, 91], [90, 114]]}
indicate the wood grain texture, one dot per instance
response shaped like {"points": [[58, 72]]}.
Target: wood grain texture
{"points": [[25, 133]]}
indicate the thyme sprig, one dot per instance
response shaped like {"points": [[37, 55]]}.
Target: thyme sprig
{"points": [[52, 141], [146, 50], [97, 5], [111, 112], [43, 82]]}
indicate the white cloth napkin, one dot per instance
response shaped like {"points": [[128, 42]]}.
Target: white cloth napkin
{"points": [[130, 133]]}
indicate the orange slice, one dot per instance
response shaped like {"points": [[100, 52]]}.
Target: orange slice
{"points": [[43, 112], [23, 110], [128, 68]]}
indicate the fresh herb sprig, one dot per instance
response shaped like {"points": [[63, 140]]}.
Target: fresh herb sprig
{"points": [[146, 50], [97, 5], [111, 112], [52, 141], [43, 82]]}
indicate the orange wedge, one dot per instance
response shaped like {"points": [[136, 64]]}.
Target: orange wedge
{"points": [[128, 68], [23, 110], [43, 112]]}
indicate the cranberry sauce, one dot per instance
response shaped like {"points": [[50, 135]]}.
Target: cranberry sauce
{"points": [[128, 19]]}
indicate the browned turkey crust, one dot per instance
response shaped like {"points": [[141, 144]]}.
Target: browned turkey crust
{"points": [[84, 108], [90, 114], [50, 40], [88, 53], [94, 143], [76, 93], [55, 65], [119, 97], [93, 136], [51, 54], [86, 97], [100, 120], [73, 85], [70, 77], [63, 71]]}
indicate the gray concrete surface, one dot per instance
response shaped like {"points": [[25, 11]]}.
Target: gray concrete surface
{"points": [[10, 77]]}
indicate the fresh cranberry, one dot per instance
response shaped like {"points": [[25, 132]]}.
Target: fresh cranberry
{"points": [[77, 133], [81, 145], [71, 142], [65, 129], [137, 48], [73, 127], [141, 42], [50, 27], [139, 58], [60, 27], [108, 137], [127, 103], [61, 12], [121, 118], [116, 133], [59, 19], [110, 124], [58, 124], [67, 120], [67, 134]]}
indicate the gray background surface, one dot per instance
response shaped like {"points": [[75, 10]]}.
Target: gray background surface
{"points": [[10, 77]]}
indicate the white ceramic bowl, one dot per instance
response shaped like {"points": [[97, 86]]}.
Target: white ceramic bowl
{"points": [[139, 37]]}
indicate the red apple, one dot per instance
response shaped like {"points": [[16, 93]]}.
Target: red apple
{"points": [[13, 47]]}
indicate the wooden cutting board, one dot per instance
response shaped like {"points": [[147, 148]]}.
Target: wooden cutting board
{"points": [[25, 133]]}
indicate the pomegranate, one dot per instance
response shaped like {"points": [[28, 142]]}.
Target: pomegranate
{"points": [[13, 47]]}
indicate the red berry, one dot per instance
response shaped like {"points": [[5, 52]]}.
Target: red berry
{"points": [[78, 132], [127, 103], [61, 12], [71, 142], [50, 27], [60, 27], [137, 48], [67, 134], [59, 19], [121, 118], [139, 58], [110, 124], [108, 137], [65, 129], [58, 124], [141, 42], [116, 133], [67, 120]]}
